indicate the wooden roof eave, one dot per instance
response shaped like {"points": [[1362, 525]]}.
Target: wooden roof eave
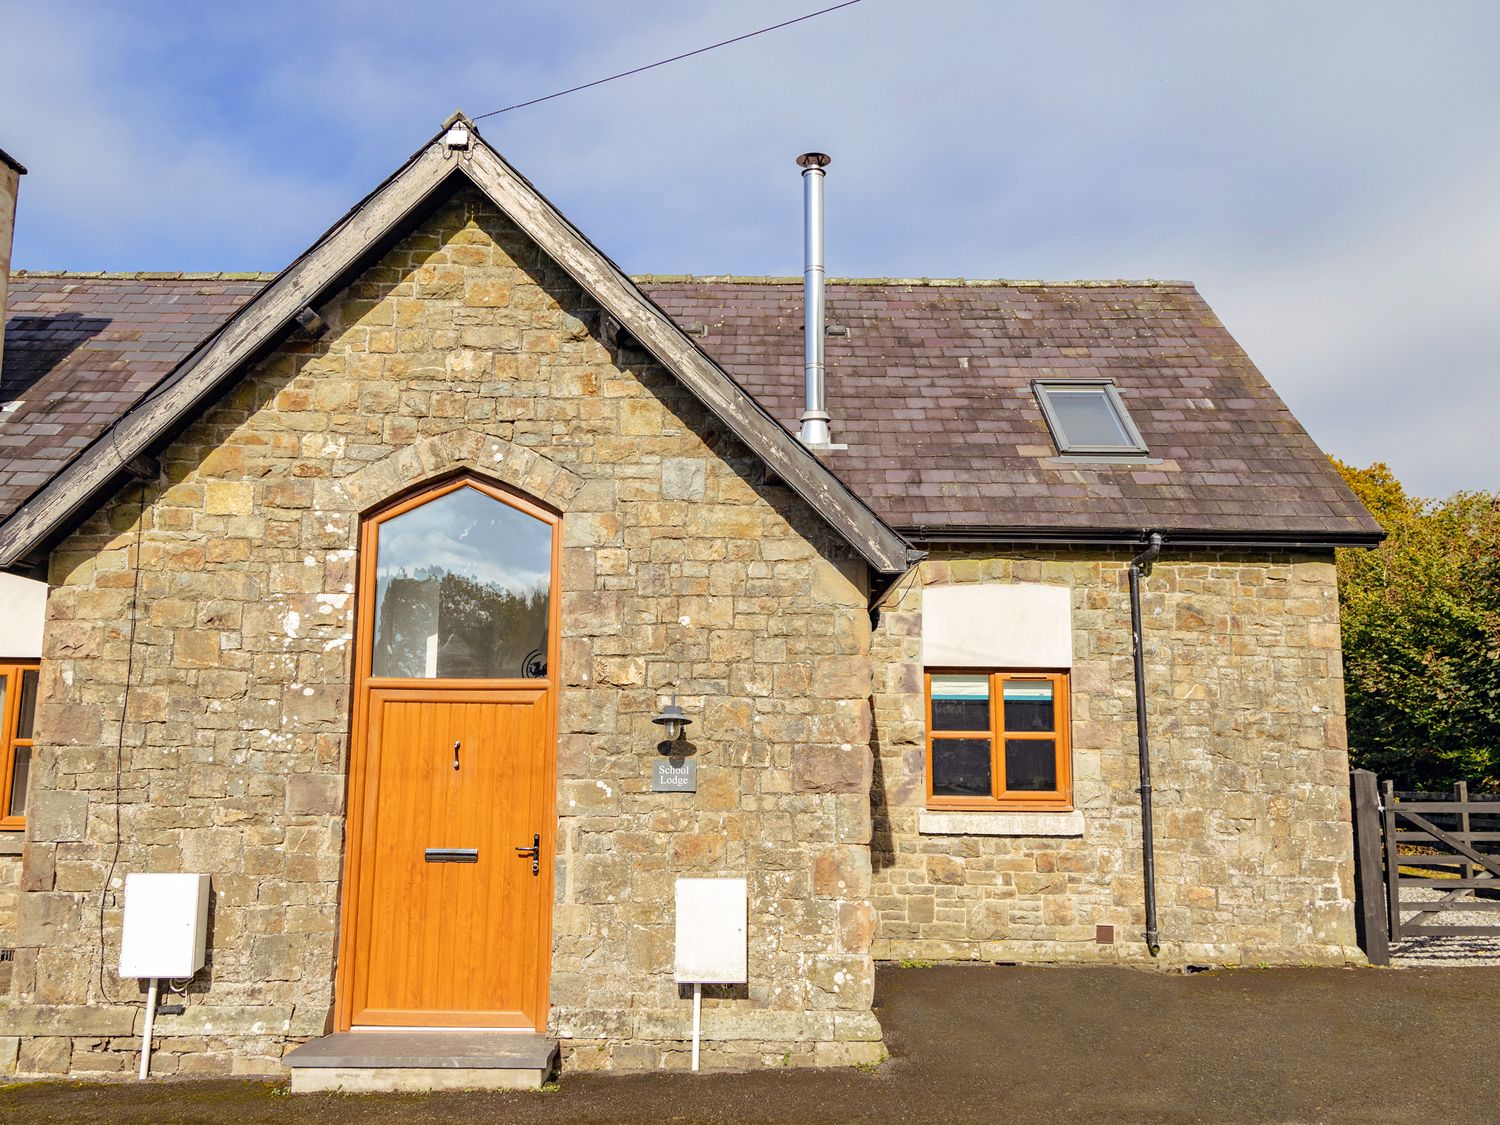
{"points": [[79, 488], [791, 462]]}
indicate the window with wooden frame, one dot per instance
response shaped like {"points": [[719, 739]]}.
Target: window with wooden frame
{"points": [[998, 740], [18, 683]]}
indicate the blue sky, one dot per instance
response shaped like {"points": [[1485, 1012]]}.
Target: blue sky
{"points": [[1329, 173]]}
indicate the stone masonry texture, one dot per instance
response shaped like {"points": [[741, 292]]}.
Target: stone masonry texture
{"points": [[10, 892], [1249, 766], [462, 349]]}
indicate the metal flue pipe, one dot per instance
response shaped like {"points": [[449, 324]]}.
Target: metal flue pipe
{"points": [[815, 430]]}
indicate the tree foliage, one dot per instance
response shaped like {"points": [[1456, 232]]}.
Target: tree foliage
{"points": [[1421, 636]]}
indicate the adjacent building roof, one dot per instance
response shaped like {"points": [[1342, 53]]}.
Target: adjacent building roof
{"points": [[81, 349]]}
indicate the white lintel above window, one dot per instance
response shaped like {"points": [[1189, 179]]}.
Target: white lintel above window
{"points": [[933, 822], [997, 625]]}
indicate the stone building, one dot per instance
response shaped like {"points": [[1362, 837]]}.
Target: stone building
{"points": [[395, 559], [22, 610]]}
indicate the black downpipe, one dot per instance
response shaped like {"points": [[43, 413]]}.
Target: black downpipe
{"points": [[1139, 565]]}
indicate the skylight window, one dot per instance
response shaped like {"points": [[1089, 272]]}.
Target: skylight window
{"points": [[1088, 416]]}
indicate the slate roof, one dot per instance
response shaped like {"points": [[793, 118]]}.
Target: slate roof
{"points": [[928, 385], [930, 389], [80, 349]]}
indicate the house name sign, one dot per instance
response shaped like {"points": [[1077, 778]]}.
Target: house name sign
{"points": [[674, 775]]}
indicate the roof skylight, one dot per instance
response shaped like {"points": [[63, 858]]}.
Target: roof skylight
{"points": [[1088, 416]]}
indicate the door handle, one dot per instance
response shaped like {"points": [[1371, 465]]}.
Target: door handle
{"points": [[535, 852]]}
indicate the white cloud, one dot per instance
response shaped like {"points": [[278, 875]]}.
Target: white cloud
{"points": [[1322, 171], [124, 171]]}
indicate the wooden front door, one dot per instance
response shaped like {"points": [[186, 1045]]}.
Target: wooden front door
{"points": [[448, 880]]}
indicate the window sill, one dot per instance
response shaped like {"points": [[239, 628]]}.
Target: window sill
{"points": [[934, 823], [11, 843]]}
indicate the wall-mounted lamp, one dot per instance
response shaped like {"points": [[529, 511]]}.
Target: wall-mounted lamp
{"points": [[672, 720]]}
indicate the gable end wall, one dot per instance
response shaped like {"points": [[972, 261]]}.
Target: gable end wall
{"points": [[680, 571]]}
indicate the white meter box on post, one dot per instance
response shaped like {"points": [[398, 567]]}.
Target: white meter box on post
{"points": [[166, 926], [711, 942]]}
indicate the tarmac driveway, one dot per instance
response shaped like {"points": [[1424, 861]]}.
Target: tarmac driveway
{"points": [[989, 1043]]}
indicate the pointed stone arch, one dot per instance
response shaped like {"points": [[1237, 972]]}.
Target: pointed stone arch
{"points": [[523, 469]]}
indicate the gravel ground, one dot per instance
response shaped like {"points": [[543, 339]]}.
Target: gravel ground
{"points": [[986, 1044], [1436, 951]]}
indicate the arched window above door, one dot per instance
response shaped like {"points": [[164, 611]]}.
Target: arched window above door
{"points": [[462, 587]]}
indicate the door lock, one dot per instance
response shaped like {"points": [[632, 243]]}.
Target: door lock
{"points": [[535, 852]]}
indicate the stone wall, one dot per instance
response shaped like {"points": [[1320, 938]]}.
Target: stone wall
{"points": [[1249, 766], [463, 348], [10, 892]]}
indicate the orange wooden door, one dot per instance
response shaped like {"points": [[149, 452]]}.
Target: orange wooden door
{"points": [[456, 642], [439, 943]]}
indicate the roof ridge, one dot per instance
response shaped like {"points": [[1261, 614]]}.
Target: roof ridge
{"points": [[933, 282], [151, 275], [657, 279]]}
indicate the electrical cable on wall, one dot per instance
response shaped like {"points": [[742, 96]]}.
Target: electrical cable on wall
{"points": [[664, 62], [114, 862]]}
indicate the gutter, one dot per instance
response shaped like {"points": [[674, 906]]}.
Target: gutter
{"points": [[1139, 565], [1133, 537]]}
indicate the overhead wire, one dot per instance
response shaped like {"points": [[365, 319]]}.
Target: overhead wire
{"points": [[168, 382], [664, 62]]}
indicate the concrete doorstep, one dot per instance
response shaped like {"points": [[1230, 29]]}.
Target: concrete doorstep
{"points": [[419, 1061]]}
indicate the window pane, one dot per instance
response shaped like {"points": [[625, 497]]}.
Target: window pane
{"points": [[18, 781], [461, 590], [27, 718], [960, 703], [961, 767], [1028, 705], [1087, 417], [1030, 765]]}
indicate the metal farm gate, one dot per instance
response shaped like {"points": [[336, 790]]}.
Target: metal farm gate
{"points": [[1418, 856]]}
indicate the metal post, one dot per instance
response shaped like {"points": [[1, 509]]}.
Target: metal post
{"points": [[1369, 884], [697, 1020], [146, 1033]]}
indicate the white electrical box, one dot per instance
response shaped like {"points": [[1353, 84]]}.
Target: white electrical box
{"points": [[711, 941], [166, 926]]}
